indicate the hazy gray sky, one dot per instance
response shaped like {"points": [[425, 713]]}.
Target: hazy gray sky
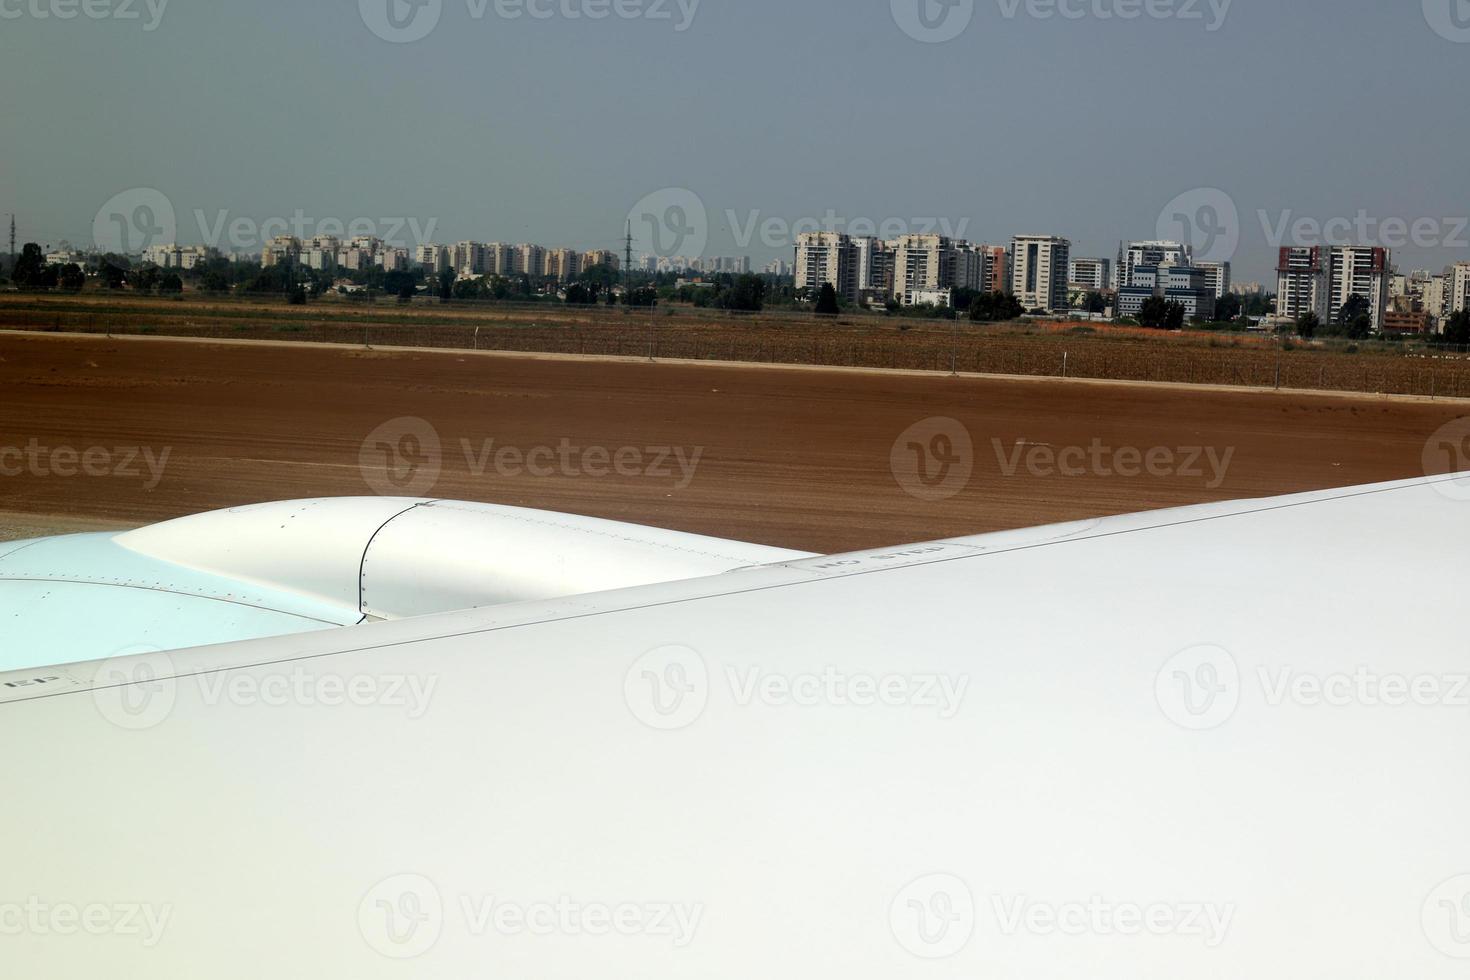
{"points": [[1047, 116]]}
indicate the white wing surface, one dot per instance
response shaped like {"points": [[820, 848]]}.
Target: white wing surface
{"points": [[1228, 741]]}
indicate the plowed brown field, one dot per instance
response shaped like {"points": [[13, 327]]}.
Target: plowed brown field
{"points": [[789, 456]]}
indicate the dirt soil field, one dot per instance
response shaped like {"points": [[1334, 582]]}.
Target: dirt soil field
{"points": [[98, 433], [1030, 349]]}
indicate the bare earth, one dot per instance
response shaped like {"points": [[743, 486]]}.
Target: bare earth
{"points": [[792, 457]]}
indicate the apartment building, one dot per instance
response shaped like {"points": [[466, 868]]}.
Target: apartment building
{"points": [[1039, 267], [1091, 275], [996, 277], [163, 256], [1301, 282], [280, 250], [827, 257], [874, 258], [1358, 270], [1456, 289], [433, 259], [320, 253], [1217, 277], [601, 256], [563, 264], [923, 262]]}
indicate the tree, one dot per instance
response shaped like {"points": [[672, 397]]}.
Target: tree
{"points": [[827, 301], [113, 276], [995, 307], [29, 268], [1154, 312], [400, 284], [469, 289], [143, 280], [170, 283], [1227, 307], [1456, 330], [581, 294], [641, 296], [71, 278], [603, 275], [1354, 307], [1307, 324], [1359, 328], [1174, 316], [1095, 302], [749, 292], [446, 284]]}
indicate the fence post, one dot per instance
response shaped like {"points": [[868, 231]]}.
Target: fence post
{"points": [[1064, 364]]}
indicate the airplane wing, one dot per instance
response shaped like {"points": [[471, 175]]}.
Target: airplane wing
{"points": [[1225, 741]]}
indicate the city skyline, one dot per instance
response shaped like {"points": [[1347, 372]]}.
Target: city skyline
{"points": [[1058, 155]]}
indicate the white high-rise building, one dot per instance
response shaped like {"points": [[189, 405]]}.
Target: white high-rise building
{"points": [[1456, 289], [530, 261], [1094, 275], [468, 259], [1358, 270], [922, 262], [563, 264], [281, 249], [434, 259], [1217, 277], [1039, 268], [826, 257], [1301, 282], [1156, 253]]}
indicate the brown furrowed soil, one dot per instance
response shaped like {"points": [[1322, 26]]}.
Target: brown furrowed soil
{"points": [[787, 456]]}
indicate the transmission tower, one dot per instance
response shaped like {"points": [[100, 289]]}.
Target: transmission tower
{"points": [[628, 258]]}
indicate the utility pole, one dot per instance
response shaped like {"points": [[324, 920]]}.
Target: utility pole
{"points": [[12, 234]]}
